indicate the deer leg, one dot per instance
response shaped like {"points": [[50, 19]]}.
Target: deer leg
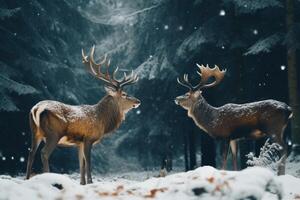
{"points": [[34, 146], [283, 153], [233, 147], [225, 153], [50, 145], [81, 164], [282, 161], [87, 156]]}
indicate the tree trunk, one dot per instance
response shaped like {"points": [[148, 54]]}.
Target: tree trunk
{"points": [[186, 153], [292, 74], [208, 150], [192, 149]]}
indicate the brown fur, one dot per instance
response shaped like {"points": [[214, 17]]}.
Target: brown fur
{"points": [[235, 121], [81, 126]]}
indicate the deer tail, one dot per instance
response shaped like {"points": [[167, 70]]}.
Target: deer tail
{"points": [[36, 113], [290, 112]]}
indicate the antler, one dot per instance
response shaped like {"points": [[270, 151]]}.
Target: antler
{"points": [[95, 69], [185, 82], [206, 73]]}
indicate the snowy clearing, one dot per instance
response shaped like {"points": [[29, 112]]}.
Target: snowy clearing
{"points": [[202, 183]]}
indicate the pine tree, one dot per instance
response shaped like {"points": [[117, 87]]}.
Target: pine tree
{"points": [[293, 80]]}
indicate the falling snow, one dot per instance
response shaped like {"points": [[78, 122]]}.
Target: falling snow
{"points": [[222, 13], [22, 159]]}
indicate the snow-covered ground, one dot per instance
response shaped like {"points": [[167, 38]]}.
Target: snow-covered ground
{"points": [[202, 183]]}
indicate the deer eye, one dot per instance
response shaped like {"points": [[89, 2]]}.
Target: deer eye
{"points": [[124, 95]]}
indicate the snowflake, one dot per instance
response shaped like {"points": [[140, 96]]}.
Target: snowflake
{"points": [[3, 158], [255, 32], [282, 67], [180, 28], [222, 13], [22, 159], [166, 27], [138, 112]]}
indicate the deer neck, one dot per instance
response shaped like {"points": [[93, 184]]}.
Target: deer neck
{"points": [[203, 115], [109, 114]]}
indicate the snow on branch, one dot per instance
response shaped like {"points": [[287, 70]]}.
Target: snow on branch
{"points": [[13, 86], [7, 13], [6, 104], [251, 6], [269, 156], [264, 45]]}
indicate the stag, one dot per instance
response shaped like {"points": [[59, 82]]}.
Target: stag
{"points": [[82, 126], [234, 121]]}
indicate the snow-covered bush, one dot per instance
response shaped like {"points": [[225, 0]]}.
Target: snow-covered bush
{"points": [[269, 156]]}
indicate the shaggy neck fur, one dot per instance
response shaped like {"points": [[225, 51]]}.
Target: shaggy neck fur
{"points": [[109, 113], [203, 114]]}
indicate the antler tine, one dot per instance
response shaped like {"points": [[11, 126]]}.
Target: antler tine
{"points": [[95, 69], [84, 57], [130, 79], [185, 82], [206, 73], [115, 73]]}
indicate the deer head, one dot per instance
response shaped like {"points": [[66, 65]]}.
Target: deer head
{"points": [[113, 86], [194, 94]]}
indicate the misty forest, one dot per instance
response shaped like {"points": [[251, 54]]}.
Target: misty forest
{"points": [[203, 79]]}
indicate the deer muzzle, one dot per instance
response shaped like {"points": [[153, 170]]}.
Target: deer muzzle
{"points": [[137, 103]]}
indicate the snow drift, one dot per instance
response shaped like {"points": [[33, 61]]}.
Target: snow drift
{"points": [[202, 183]]}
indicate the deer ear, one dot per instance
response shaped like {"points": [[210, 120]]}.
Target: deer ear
{"points": [[197, 93], [110, 90]]}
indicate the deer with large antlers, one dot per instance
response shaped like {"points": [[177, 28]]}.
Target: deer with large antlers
{"points": [[234, 121], [83, 126]]}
